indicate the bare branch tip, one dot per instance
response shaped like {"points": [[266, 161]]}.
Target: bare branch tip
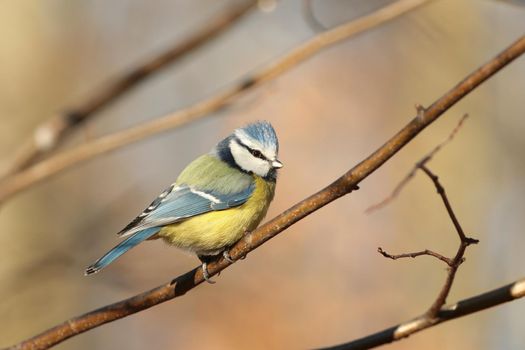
{"points": [[379, 205], [385, 254]]}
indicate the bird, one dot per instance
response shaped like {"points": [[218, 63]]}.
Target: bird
{"points": [[217, 199]]}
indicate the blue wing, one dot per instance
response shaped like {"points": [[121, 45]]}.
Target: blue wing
{"points": [[174, 204], [180, 202]]}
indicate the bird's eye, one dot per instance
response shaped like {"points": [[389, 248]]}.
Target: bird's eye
{"points": [[256, 153]]}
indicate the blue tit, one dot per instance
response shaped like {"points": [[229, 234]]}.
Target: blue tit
{"points": [[216, 199]]}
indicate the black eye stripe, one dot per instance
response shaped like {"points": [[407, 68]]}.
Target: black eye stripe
{"points": [[254, 152]]}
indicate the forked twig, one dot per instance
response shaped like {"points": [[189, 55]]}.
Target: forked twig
{"points": [[457, 260], [453, 263], [459, 257]]}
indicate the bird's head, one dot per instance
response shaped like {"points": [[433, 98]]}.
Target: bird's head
{"points": [[253, 149]]}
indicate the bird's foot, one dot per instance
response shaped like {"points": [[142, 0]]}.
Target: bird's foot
{"points": [[206, 274], [227, 257]]}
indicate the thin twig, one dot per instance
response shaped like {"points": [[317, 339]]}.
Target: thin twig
{"points": [[105, 144], [52, 132], [412, 172], [450, 137], [342, 186], [465, 307], [415, 255]]}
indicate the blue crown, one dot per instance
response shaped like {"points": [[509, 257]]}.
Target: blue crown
{"points": [[263, 132]]}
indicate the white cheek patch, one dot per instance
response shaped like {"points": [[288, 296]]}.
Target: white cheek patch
{"points": [[247, 162]]}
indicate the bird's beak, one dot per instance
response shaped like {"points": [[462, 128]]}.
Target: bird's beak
{"points": [[276, 163]]}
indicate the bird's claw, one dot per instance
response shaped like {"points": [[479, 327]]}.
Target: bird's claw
{"points": [[206, 274], [227, 257]]}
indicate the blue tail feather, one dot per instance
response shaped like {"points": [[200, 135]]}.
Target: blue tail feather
{"points": [[121, 248]]}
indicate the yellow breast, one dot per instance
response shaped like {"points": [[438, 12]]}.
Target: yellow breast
{"points": [[210, 233]]}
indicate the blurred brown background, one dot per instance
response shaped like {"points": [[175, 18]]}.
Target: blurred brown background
{"points": [[321, 282]]}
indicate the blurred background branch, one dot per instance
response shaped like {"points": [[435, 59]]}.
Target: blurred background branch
{"points": [[68, 158], [412, 172], [310, 18], [340, 187], [51, 133]]}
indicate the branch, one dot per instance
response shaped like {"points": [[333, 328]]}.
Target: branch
{"points": [[105, 144], [465, 307], [342, 186], [52, 132]]}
